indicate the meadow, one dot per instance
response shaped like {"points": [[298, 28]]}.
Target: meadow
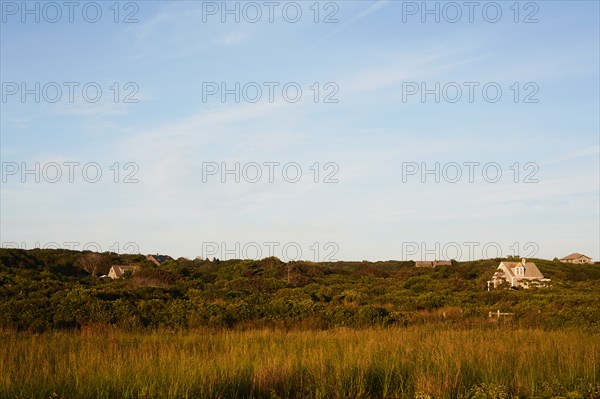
{"points": [[271, 329], [492, 361]]}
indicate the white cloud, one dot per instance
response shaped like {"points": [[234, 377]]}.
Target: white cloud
{"points": [[376, 6], [231, 39]]}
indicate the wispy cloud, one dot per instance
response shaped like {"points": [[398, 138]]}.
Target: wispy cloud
{"points": [[364, 13], [420, 64], [232, 39], [580, 153]]}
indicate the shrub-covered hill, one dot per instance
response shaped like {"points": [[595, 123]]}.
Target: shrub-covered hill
{"points": [[50, 289]]}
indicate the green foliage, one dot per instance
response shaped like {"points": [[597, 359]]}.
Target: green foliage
{"points": [[47, 289]]}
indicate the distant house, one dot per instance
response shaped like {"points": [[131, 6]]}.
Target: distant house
{"points": [[423, 263], [117, 271], [158, 259], [576, 258], [518, 274], [434, 263], [442, 263]]}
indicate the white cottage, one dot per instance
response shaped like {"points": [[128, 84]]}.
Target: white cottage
{"points": [[117, 271], [519, 274]]}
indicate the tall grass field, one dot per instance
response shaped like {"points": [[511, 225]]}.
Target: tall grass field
{"points": [[416, 362]]}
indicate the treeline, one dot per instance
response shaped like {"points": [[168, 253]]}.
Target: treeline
{"points": [[50, 289]]}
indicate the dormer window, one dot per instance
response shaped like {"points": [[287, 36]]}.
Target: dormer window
{"points": [[519, 270]]}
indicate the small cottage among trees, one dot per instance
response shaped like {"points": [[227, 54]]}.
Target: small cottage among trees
{"points": [[518, 274], [434, 263], [158, 259], [117, 271]]}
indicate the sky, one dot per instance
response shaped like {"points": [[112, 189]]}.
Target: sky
{"points": [[331, 130]]}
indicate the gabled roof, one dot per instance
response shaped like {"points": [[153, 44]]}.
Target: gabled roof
{"points": [[531, 270], [119, 270], [159, 259], [574, 255]]}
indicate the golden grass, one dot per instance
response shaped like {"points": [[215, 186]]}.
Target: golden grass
{"points": [[340, 363]]}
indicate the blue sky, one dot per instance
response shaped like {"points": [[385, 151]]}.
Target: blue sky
{"points": [[367, 61]]}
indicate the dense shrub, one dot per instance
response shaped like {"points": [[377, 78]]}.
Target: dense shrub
{"points": [[47, 289]]}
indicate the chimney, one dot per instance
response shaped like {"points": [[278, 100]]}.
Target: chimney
{"points": [[523, 261]]}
